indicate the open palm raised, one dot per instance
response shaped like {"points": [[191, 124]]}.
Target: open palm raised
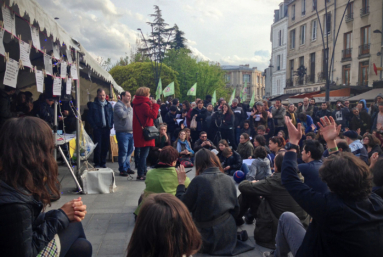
{"points": [[328, 128]]}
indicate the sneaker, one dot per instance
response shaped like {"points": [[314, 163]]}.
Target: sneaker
{"points": [[268, 254], [103, 166], [141, 178], [123, 174], [129, 171]]}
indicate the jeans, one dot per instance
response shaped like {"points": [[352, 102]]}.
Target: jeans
{"points": [[141, 154], [73, 241], [238, 134], [245, 169], [101, 136], [125, 150], [290, 234]]}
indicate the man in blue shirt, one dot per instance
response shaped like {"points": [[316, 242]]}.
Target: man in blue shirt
{"points": [[355, 145]]}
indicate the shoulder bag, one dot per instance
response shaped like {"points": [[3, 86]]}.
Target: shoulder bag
{"points": [[149, 132]]}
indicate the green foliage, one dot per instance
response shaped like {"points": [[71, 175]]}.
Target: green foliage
{"points": [[140, 74], [179, 41], [210, 76]]}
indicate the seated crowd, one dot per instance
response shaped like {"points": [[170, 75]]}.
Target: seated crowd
{"points": [[307, 181]]}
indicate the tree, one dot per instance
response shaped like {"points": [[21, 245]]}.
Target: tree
{"points": [[140, 74], [209, 76], [179, 41]]}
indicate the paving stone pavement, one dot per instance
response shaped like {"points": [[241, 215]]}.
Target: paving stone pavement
{"points": [[110, 221]]}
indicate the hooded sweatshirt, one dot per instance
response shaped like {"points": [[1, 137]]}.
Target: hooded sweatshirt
{"points": [[259, 169]]}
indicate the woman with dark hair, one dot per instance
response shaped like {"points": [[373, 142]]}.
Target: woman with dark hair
{"points": [[161, 141], [28, 179], [245, 147], [163, 178], [376, 164], [145, 111], [183, 146], [212, 208], [260, 167], [372, 145], [186, 107], [227, 127], [199, 114], [246, 128], [259, 115], [276, 145], [222, 144], [163, 229]]}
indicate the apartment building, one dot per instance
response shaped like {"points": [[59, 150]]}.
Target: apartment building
{"points": [[356, 48], [237, 76], [278, 38], [268, 82]]}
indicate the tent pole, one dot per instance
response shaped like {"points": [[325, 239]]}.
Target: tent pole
{"points": [[78, 114]]}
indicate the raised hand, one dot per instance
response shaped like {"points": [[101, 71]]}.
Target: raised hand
{"points": [[181, 175], [295, 133], [328, 128]]}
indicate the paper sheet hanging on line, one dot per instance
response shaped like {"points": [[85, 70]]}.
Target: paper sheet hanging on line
{"points": [[2, 48], [69, 55], [68, 86], [39, 80], [9, 20], [35, 37], [11, 73], [56, 51], [248, 162], [25, 52], [57, 86], [48, 64], [73, 72], [63, 69]]}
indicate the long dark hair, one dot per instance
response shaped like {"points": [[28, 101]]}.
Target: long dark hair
{"points": [[26, 157], [186, 104], [205, 159], [228, 109], [164, 228]]}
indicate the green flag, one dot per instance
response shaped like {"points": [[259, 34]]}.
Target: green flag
{"points": [[252, 101], [232, 97], [159, 90], [169, 90], [193, 90], [214, 99], [243, 94]]}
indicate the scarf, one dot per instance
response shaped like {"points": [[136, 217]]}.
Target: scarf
{"points": [[103, 104], [185, 143], [293, 120]]}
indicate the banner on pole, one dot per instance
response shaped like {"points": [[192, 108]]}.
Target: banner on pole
{"points": [[193, 90], [169, 90]]}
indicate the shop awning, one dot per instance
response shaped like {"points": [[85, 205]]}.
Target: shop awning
{"points": [[369, 95], [335, 95], [281, 97], [299, 98]]}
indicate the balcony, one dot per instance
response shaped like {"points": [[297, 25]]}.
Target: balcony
{"points": [[289, 83], [278, 68], [303, 13], [365, 11], [349, 17], [364, 51], [301, 80], [346, 54], [311, 78]]}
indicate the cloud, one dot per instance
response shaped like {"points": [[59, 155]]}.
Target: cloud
{"points": [[107, 7], [263, 53], [255, 61]]}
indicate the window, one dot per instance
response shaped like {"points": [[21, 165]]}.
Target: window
{"points": [[312, 67], [278, 87], [227, 77], [347, 45], [365, 8], [258, 79], [303, 5], [350, 11], [314, 5], [314, 30], [363, 73], [278, 62], [292, 39], [246, 78], [291, 69], [365, 40], [327, 24], [280, 38], [346, 75], [293, 12], [325, 59], [302, 61], [281, 11], [303, 34]]}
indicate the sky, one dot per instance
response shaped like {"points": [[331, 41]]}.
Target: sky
{"points": [[228, 32]]}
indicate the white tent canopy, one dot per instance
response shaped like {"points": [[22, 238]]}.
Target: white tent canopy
{"points": [[369, 95], [32, 11]]}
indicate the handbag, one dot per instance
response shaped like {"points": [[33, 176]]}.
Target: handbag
{"points": [[186, 162], [193, 124], [149, 132], [53, 248]]}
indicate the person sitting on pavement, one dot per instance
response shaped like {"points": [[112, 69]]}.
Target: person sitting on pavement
{"points": [[260, 166], [341, 114], [212, 200], [267, 200], [203, 142], [245, 147], [360, 120], [28, 182], [261, 131], [372, 145], [246, 128], [183, 146], [312, 153], [221, 145], [376, 164], [310, 136], [276, 145], [347, 221], [163, 178], [232, 162], [161, 141], [356, 145], [164, 228], [307, 122], [377, 119]]}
